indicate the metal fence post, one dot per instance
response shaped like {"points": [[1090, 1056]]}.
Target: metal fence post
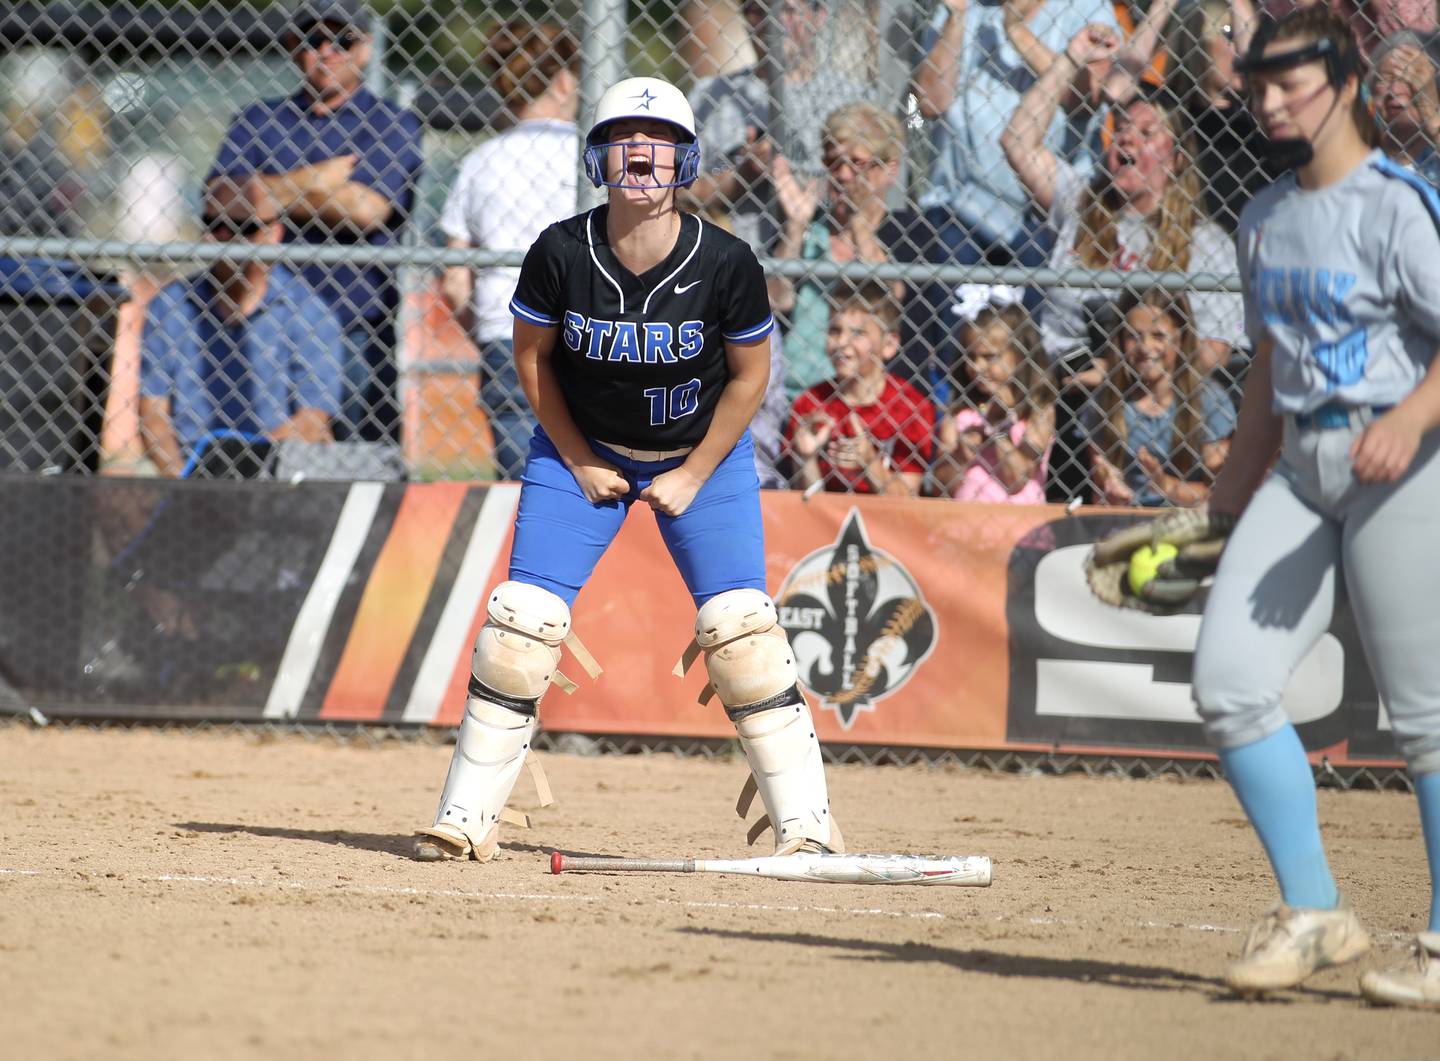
{"points": [[602, 62]]}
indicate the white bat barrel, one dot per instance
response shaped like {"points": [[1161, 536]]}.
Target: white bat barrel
{"points": [[973, 871]]}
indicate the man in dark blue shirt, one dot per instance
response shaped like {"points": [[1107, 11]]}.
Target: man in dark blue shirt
{"points": [[243, 349], [341, 165]]}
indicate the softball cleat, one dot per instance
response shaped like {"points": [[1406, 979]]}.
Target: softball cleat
{"points": [[445, 843], [1415, 983], [1288, 944]]}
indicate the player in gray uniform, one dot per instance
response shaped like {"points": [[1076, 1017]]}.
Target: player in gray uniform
{"points": [[1341, 265]]}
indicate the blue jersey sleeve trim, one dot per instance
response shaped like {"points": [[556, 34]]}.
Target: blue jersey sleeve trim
{"points": [[525, 313], [1428, 195], [760, 330]]}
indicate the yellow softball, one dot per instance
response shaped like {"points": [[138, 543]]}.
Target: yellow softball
{"points": [[1144, 563]]}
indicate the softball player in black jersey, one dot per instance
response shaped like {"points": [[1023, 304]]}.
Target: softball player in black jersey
{"points": [[642, 342]]}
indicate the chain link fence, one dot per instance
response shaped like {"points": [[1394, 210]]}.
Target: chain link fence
{"points": [[269, 240], [1011, 762], [260, 239]]}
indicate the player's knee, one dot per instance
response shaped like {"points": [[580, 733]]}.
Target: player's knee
{"points": [[518, 649], [1418, 744], [747, 654], [1236, 708]]}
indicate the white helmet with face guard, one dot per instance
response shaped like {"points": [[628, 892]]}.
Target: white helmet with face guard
{"points": [[643, 98]]}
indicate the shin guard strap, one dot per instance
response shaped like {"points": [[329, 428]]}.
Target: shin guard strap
{"points": [[789, 696], [478, 690], [582, 655]]}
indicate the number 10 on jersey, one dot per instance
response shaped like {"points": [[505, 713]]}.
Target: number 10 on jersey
{"points": [[673, 404]]}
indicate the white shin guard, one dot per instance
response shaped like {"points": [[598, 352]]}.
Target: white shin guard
{"points": [[752, 670], [789, 773], [489, 755], [515, 660]]}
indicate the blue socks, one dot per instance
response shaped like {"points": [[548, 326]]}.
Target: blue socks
{"points": [[1427, 791], [1273, 782]]}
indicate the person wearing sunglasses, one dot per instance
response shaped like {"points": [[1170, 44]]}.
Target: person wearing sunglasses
{"points": [[341, 166], [237, 357], [842, 218]]}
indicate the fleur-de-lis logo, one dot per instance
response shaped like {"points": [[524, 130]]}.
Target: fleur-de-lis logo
{"points": [[857, 622]]}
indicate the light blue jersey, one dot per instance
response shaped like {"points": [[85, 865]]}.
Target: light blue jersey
{"points": [[1345, 280]]}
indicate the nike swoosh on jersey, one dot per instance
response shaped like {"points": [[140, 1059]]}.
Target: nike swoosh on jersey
{"points": [[681, 290]]}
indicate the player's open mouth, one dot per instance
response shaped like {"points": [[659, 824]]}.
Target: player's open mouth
{"points": [[1123, 158], [639, 166]]}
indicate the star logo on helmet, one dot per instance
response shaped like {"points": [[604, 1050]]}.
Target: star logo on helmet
{"points": [[646, 98]]}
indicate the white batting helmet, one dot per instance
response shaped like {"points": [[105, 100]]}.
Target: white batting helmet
{"points": [[644, 97]]}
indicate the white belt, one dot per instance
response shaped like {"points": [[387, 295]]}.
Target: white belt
{"points": [[647, 456]]}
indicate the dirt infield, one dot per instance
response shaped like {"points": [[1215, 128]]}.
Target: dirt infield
{"points": [[167, 895]]}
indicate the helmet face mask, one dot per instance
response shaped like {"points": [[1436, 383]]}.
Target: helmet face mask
{"points": [[1339, 66], [634, 157], [642, 100]]}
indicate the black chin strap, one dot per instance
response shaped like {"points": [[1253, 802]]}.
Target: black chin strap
{"points": [[1288, 154], [1295, 151]]}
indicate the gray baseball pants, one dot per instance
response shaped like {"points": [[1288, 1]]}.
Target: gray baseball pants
{"points": [[1274, 592]]}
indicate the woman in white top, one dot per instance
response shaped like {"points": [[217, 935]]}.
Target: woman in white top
{"points": [[1142, 210], [509, 190]]}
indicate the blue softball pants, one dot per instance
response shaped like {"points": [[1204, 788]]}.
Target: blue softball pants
{"points": [[718, 543]]}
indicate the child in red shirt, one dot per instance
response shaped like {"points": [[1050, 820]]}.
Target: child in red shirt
{"points": [[864, 431]]}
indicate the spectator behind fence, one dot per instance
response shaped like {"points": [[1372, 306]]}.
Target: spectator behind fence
{"points": [[1160, 427], [864, 431], [1201, 81], [509, 190], [238, 357], [342, 166], [767, 427], [44, 152], [1407, 104], [1372, 20], [994, 445], [732, 113], [1141, 209], [842, 219], [977, 65], [1229, 145]]}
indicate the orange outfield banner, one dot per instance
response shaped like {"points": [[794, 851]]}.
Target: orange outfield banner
{"points": [[913, 622], [895, 611], [930, 623]]}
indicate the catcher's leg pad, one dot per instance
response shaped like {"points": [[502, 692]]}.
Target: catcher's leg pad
{"points": [[752, 671], [493, 746], [747, 655], [1199, 537], [788, 772], [521, 642], [516, 657]]}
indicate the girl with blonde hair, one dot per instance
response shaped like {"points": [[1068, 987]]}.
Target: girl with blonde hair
{"points": [[996, 447], [1159, 429], [1142, 209]]}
